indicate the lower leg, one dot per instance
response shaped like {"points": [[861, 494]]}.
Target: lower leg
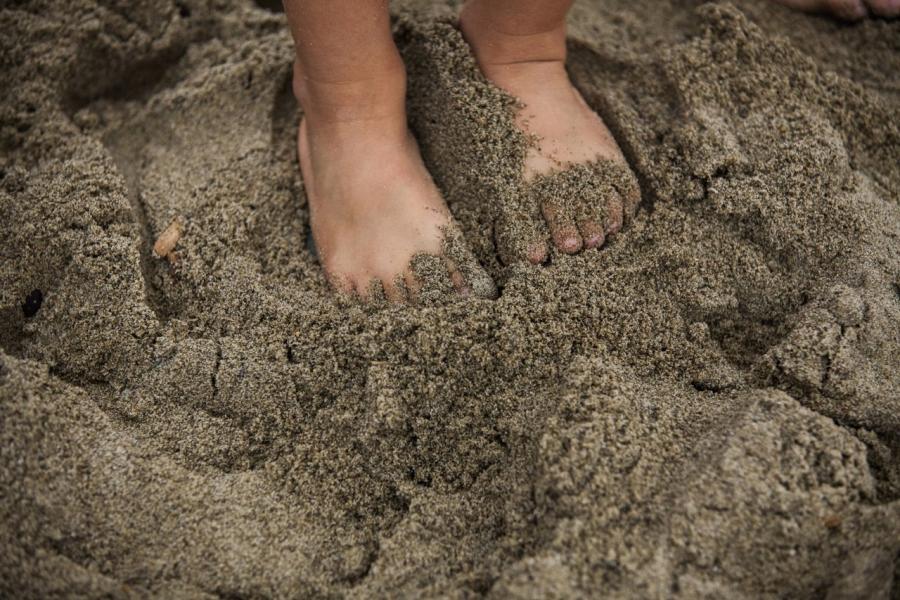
{"points": [[347, 67], [517, 30]]}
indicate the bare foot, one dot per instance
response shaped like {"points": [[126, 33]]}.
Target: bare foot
{"points": [[848, 10], [374, 206], [531, 68]]}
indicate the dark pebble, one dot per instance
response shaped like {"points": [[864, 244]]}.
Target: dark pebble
{"points": [[32, 303]]}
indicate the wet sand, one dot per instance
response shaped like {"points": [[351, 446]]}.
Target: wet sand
{"points": [[708, 407]]}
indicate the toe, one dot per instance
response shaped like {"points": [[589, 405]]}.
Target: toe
{"points": [[456, 278], [630, 193], [562, 228], [614, 215], [412, 284], [592, 233], [394, 290], [433, 280], [888, 9], [373, 292], [848, 10], [520, 235], [466, 273], [341, 283], [537, 252]]}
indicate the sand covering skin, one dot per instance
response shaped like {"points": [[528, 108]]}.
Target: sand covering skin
{"points": [[708, 407]]}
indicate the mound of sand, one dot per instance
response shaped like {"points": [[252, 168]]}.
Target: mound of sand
{"points": [[709, 407]]}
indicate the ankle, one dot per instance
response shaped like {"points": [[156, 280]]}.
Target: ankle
{"points": [[499, 43], [361, 138], [379, 96]]}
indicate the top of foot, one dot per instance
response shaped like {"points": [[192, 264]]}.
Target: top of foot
{"points": [[379, 222]]}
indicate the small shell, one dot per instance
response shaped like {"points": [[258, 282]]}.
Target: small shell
{"points": [[167, 240]]}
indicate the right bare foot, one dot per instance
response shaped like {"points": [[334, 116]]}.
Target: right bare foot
{"points": [[848, 10], [576, 174], [374, 206]]}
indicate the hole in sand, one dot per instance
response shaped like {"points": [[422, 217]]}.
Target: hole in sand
{"points": [[274, 6], [32, 303]]}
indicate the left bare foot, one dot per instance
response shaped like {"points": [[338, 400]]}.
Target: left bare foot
{"points": [[532, 68]]}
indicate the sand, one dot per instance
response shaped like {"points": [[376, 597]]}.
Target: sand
{"points": [[708, 407]]}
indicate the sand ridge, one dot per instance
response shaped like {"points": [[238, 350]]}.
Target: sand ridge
{"points": [[705, 408]]}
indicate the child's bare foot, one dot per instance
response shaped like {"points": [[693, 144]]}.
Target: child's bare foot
{"points": [[849, 10], [531, 67], [373, 204]]}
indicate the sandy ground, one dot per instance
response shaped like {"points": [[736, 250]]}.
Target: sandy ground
{"points": [[709, 407]]}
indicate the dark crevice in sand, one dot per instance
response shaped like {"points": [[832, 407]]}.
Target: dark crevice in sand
{"points": [[883, 453], [285, 119], [895, 581], [12, 330], [77, 380], [139, 81], [214, 374], [275, 6], [714, 387], [128, 168], [373, 549]]}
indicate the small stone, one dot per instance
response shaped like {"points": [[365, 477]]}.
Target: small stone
{"points": [[32, 303]]}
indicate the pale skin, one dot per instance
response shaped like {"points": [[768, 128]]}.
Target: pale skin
{"points": [[373, 204]]}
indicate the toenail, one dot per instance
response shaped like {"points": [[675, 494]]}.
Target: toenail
{"points": [[570, 244], [594, 241], [537, 253]]}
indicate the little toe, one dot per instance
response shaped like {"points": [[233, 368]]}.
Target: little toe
{"points": [[456, 278], [467, 275], [536, 252], [630, 193], [614, 215], [592, 234], [562, 228]]}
